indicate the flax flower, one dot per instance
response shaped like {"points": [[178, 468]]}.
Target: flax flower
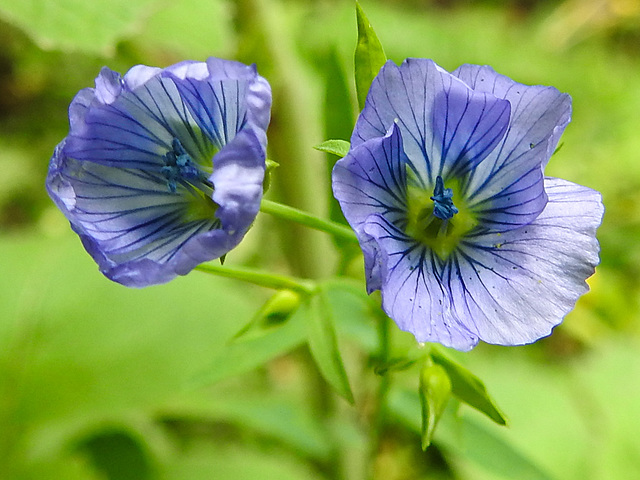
{"points": [[462, 233], [163, 168]]}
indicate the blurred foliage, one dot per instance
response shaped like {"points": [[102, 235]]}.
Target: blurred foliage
{"points": [[97, 381]]}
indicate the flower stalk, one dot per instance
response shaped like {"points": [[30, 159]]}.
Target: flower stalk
{"points": [[262, 279], [303, 218]]}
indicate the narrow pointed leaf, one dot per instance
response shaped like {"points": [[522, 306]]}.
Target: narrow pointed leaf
{"points": [[435, 390], [369, 56], [468, 388], [465, 439], [246, 354], [335, 147], [323, 344], [274, 415]]}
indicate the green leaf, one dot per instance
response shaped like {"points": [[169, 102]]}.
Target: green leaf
{"points": [[118, 455], [395, 364], [369, 56], [274, 416], [323, 344], [202, 460], [353, 311], [244, 355], [435, 390], [479, 443], [335, 147], [468, 440], [76, 25], [469, 388]]}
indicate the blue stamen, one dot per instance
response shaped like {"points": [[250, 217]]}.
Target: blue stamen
{"points": [[180, 168], [443, 206]]}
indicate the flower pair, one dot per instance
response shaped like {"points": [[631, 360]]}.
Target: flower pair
{"points": [[461, 231]]}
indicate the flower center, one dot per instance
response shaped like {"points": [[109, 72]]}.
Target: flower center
{"points": [[179, 168], [434, 220]]}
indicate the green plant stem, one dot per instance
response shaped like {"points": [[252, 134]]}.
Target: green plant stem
{"points": [[267, 35], [303, 218], [379, 415], [260, 278]]}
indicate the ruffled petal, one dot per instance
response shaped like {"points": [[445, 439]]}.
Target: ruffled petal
{"points": [[507, 187], [138, 75], [414, 288], [513, 288], [128, 216], [508, 289], [225, 101], [188, 69], [447, 127], [237, 177], [79, 107], [231, 103], [220, 68], [108, 86], [539, 113], [371, 180], [136, 129]]}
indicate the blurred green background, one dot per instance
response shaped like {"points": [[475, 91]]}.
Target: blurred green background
{"points": [[101, 382]]}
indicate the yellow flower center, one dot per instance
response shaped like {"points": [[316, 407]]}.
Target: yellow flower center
{"points": [[441, 235]]}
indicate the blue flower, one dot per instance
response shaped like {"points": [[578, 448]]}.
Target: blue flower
{"points": [[163, 168], [462, 233]]}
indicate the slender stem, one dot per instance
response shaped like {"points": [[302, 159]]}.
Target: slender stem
{"points": [[379, 420], [260, 278], [294, 215]]}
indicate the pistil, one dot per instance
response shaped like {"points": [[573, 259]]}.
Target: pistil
{"points": [[179, 168], [443, 206]]}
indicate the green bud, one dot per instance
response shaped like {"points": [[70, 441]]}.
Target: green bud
{"points": [[435, 390], [270, 166], [275, 311], [278, 308]]}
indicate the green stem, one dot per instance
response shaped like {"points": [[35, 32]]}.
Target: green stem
{"points": [[379, 419], [294, 215], [260, 278]]}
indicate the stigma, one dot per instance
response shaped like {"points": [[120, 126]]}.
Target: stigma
{"points": [[443, 206]]}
